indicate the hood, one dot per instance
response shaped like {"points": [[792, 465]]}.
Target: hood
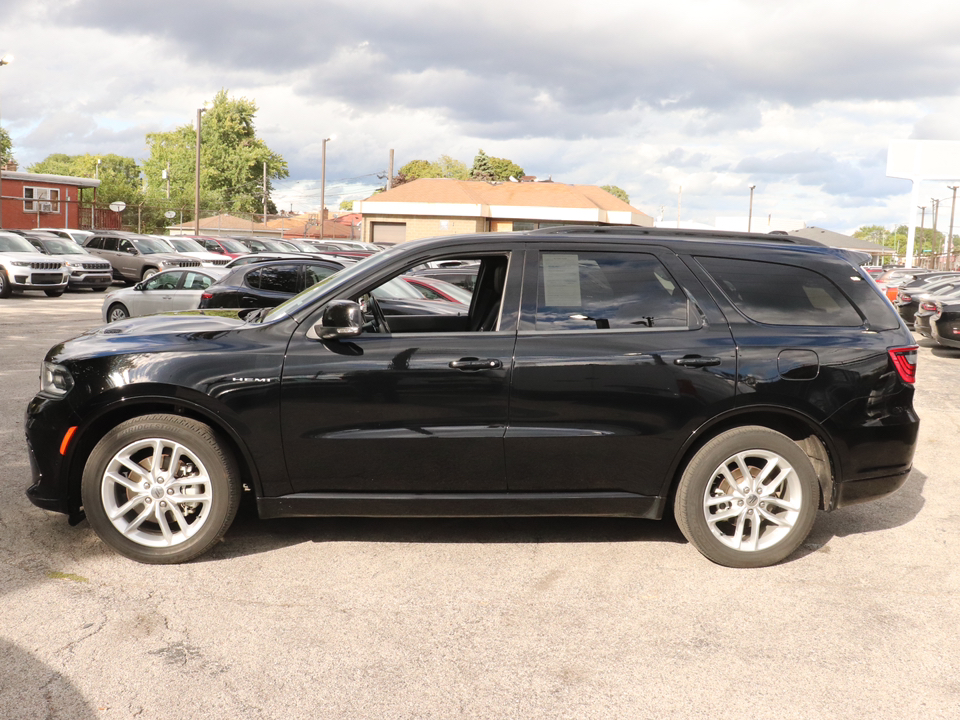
{"points": [[188, 321], [77, 259]]}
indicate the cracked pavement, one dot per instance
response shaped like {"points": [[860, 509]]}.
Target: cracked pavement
{"points": [[513, 618]]}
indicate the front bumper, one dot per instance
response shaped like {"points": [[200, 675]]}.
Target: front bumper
{"points": [[28, 279], [91, 280], [45, 423]]}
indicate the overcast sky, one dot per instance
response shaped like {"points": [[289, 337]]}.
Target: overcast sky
{"points": [[800, 99]]}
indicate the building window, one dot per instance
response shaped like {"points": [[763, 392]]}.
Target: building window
{"points": [[41, 200]]}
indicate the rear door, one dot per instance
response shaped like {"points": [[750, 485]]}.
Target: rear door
{"points": [[620, 356]]}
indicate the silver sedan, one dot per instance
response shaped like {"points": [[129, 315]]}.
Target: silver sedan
{"points": [[167, 291]]}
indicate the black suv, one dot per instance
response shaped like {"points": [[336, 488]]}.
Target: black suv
{"points": [[742, 380]]}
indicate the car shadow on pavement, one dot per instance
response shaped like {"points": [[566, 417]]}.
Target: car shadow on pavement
{"points": [[30, 688], [250, 535], [890, 512]]}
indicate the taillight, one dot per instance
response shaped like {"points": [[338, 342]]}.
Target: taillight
{"points": [[905, 361], [905, 299], [928, 307], [206, 295]]}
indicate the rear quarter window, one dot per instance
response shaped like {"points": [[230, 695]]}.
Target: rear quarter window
{"points": [[777, 294]]}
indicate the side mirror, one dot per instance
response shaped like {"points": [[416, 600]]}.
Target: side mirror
{"points": [[341, 319]]}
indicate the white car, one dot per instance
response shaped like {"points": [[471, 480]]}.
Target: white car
{"points": [[78, 236], [23, 268], [167, 291], [189, 246]]}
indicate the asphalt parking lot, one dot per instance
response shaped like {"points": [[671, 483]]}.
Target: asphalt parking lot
{"points": [[513, 618]]}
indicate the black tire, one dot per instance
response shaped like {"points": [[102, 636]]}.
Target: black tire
{"points": [[53, 293], [156, 519], [747, 525], [117, 312], [5, 287]]}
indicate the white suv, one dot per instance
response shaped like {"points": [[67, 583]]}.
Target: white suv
{"points": [[23, 268]]}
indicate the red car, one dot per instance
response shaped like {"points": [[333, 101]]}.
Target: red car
{"points": [[221, 245], [433, 289]]}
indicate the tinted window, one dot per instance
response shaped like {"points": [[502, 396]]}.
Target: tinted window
{"points": [[315, 273], [781, 294], [275, 278], [601, 291]]}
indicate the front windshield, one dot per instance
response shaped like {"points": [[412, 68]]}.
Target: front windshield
{"points": [[63, 247], [339, 279], [149, 246], [185, 245], [234, 246], [281, 245], [16, 244]]}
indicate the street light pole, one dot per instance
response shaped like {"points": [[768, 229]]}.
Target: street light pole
{"points": [[750, 215], [5, 60], [196, 179], [323, 179]]}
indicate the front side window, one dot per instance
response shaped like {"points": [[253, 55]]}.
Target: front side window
{"points": [[163, 281], [608, 291], [316, 273], [778, 294]]}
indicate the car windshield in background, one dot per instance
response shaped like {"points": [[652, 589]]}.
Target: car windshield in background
{"points": [[15, 244], [150, 246], [185, 245], [234, 246], [64, 247]]}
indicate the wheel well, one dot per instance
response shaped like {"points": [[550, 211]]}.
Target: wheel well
{"points": [[794, 428], [92, 435]]}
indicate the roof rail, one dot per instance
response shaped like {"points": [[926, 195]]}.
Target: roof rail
{"points": [[673, 233]]}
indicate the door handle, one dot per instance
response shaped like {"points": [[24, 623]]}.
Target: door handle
{"points": [[697, 361], [472, 363]]}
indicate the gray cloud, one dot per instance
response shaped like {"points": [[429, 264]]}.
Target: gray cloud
{"points": [[861, 178]]}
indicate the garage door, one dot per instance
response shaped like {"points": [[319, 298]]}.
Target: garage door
{"points": [[389, 233]]}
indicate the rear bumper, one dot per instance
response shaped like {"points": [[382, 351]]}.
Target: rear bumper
{"points": [[859, 491]]}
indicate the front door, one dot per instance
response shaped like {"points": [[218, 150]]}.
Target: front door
{"points": [[419, 411]]}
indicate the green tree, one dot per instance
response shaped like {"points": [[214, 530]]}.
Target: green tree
{"points": [[347, 205], [504, 169], [119, 176], [449, 167], [482, 167], [616, 192], [232, 158], [6, 147], [416, 169]]}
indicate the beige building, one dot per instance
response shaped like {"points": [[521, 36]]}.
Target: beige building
{"points": [[431, 207]]}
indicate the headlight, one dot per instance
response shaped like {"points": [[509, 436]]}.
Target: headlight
{"points": [[55, 380], [21, 263]]}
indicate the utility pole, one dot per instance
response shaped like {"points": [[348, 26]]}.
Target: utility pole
{"points": [[390, 171], [923, 216], [934, 245], [196, 180], [264, 193], [750, 216], [953, 207]]}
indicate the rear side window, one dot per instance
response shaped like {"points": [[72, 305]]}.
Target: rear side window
{"points": [[275, 278], [608, 291], [778, 294]]}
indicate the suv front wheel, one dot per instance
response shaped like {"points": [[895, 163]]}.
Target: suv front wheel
{"points": [[160, 488], [748, 498]]}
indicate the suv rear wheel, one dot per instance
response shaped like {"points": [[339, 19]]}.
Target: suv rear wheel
{"points": [[748, 498], [160, 488]]}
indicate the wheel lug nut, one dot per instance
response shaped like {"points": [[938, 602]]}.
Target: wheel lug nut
{"points": [[740, 503], [746, 489], [146, 486], [169, 491], [149, 500], [163, 503]]}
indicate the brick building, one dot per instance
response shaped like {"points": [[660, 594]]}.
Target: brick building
{"points": [[430, 207], [32, 200]]}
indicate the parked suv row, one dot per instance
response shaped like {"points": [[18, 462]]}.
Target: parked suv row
{"points": [[743, 381], [135, 257]]}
